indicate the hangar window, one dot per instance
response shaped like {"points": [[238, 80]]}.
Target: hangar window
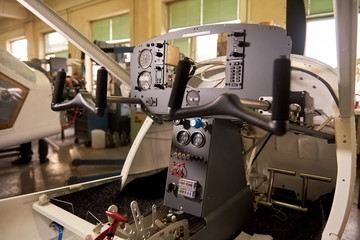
{"points": [[321, 34], [199, 12], [55, 45], [18, 48], [321, 41], [318, 8], [56, 50], [320, 31], [112, 30], [111, 33]]}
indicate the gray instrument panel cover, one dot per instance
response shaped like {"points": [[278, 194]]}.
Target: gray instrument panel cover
{"points": [[262, 45]]}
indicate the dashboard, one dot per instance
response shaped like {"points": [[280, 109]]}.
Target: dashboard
{"points": [[242, 63]]}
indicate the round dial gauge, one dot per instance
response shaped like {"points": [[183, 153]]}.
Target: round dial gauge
{"points": [[198, 139], [144, 81], [145, 58], [183, 137]]}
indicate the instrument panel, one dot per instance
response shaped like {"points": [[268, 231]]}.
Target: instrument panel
{"points": [[228, 58]]}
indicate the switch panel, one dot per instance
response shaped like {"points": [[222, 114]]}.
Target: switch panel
{"points": [[198, 169], [187, 187]]}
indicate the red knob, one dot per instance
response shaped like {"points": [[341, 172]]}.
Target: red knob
{"points": [[116, 216]]}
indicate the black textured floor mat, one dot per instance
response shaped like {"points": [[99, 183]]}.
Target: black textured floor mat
{"points": [[146, 191], [285, 224], [281, 224]]}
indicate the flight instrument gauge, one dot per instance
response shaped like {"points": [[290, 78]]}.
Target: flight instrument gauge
{"points": [[183, 137], [198, 139], [144, 81], [145, 58]]}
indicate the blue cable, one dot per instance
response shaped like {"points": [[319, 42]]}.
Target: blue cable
{"points": [[58, 228]]}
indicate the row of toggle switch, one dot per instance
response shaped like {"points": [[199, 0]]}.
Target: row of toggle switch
{"points": [[186, 156]]}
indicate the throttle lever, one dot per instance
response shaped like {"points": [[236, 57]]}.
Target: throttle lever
{"points": [[83, 98], [230, 104]]}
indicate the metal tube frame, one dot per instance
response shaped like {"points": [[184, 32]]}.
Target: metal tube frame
{"points": [[269, 202]]}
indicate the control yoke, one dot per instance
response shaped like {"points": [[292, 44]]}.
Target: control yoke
{"points": [[83, 98], [225, 105], [230, 105]]}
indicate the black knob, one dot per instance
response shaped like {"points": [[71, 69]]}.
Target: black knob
{"points": [[159, 54], [239, 34], [171, 187], [241, 44], [159, 45], [237, 54]]}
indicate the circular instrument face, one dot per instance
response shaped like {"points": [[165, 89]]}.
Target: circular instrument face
{"points": [[198, 139], [145, 58], [144, 81], [183, 137]]}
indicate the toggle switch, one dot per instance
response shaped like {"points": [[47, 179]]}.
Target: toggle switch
{"points": [[237, 54], [239, 34], [171, 187], [159, 45]]}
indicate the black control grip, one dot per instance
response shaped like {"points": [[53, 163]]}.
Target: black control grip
{"points": [[181, 79], [59, 86], [281, 89], [101, 88]]}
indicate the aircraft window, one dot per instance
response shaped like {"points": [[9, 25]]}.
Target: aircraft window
{"points": [[12, 97]]}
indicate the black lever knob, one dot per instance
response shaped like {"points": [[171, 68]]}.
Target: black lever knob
{"points": [[179, 86], [281, 89], [59, 86], [101, 90]]}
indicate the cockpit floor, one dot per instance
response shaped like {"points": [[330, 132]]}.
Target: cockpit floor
{"points": [[285, 224], [147, 191], [280, 223]]}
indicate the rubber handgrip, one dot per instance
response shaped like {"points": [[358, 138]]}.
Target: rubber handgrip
{"points": [[59, 86], [101, 88], [181, 79], [281, 89]]}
